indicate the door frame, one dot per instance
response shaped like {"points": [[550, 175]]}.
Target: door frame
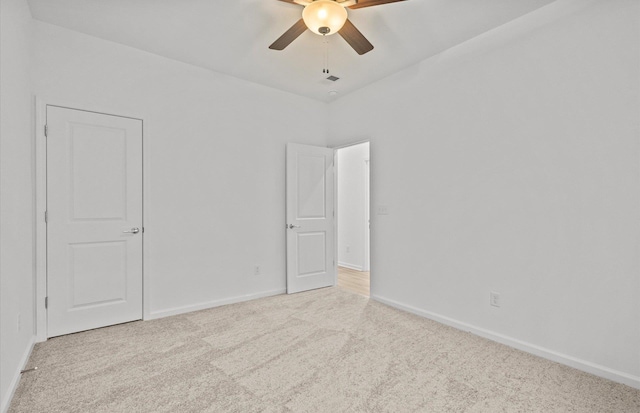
{"points": [[336, 201], [39, 165], [367, 217]]}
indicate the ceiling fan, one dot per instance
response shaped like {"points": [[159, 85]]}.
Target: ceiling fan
{"points": [[327, 17]]}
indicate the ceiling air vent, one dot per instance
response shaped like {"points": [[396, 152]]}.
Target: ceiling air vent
{"points": [[333, 78]]}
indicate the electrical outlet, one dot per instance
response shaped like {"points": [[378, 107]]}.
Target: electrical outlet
{"points": [[494, 299], [256, 270], [19, 322], [348, 249]]}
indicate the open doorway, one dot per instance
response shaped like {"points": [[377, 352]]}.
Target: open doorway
{"points": [[352, 184]]}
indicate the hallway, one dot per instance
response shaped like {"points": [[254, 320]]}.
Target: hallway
{"points": [[354, 281]]}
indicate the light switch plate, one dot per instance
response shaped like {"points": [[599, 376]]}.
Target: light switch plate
{"points": [[383, 210]]}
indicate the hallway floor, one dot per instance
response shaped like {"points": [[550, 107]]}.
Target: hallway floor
{"points": [[354, 281]]}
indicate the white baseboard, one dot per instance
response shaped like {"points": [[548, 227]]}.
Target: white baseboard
{"points": [[211, 304], [587, 366], [6, 402], [351, 266]]}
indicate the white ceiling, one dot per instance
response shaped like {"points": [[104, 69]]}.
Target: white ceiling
{"points": [[232, 36]]}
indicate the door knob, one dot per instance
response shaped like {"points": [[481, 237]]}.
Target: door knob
{"points": [[291, 226], [132, 231]]}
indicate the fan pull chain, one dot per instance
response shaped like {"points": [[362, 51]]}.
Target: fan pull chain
{"points": [[327, 55], [325, 69]]}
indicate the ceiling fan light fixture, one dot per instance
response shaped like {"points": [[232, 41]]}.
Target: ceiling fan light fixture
{"points": [[324, 17]]}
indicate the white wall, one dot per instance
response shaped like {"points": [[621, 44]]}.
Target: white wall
{"points": [[216, 168], [16, 196], [352, 205], [510, 164]]}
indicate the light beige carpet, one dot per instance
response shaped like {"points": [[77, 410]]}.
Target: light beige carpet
{"points": [[322, 351]]}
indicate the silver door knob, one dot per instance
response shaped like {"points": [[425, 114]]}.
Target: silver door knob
{"points": [[132, 231], [291, 226]]}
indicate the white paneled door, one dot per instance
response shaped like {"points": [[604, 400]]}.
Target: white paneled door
{"points": [[94, 220], [310, 218]]}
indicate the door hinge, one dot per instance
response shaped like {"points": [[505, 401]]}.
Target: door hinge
{"points": [[46, 131], [46, 217], [46, 302]]}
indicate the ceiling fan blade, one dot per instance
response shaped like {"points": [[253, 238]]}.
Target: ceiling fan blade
{"points": [[369, 3], [289, 36], [355, 39]]}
